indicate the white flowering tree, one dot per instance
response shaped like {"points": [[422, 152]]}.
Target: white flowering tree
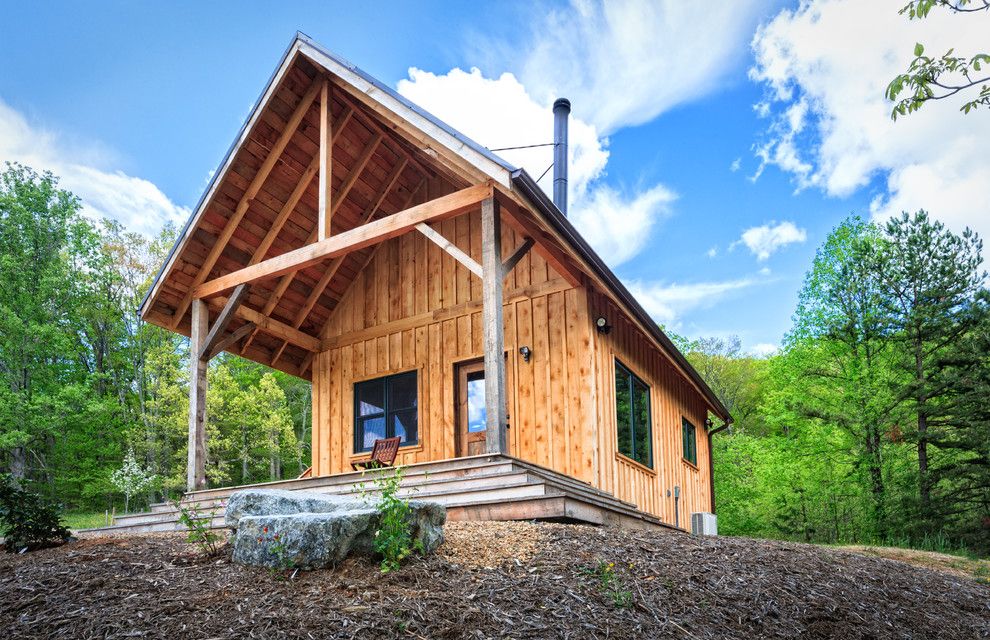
{"points": [[131, 479]]}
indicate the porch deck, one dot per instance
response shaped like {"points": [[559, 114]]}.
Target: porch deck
{"points": [[484, 487]]}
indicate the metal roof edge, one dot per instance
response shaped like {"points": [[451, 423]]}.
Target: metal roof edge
{"points": [[412, 106], [536, 195]]}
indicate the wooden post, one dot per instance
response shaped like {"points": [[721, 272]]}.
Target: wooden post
{"points": [[326, 162], [491, 263], [196, 466]]}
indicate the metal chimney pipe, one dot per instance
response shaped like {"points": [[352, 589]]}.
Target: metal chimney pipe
{"points": [[561, 111]]}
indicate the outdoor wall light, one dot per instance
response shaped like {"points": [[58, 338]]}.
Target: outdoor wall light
{"points": [[526, 353], [602, 325]]}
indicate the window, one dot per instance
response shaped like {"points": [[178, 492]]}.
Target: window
{"points": [[690, 442], [385, 408], [632, 416]]}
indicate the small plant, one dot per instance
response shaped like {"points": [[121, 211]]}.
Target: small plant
{"points": [[28, 521], [610, 583], [198, 523], [393, 539], [131, 479]]}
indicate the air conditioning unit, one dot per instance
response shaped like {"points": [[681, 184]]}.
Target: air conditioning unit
{"points": [[704, 524]]}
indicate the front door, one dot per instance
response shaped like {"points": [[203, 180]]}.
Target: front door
{"points": [[471, 418]]}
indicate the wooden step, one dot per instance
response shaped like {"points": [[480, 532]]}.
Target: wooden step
{"points": [[445, 491], [479, 487], [342, 488], [468, 465]]}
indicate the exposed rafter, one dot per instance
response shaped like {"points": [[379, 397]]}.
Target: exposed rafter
{"points": [[249, 194], [366, 235], [271, 326], [337, 262], [545, 245], [409, 199], [290, 205]]}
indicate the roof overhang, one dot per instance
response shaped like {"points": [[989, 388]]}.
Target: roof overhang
{"points": [[461, 157]]}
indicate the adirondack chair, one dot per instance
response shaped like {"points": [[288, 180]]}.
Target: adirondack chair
{"points": [[382, 454]]}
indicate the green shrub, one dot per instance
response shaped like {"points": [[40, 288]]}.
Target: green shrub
{"points": [[610, 583], [393, 539], [28, 521], [199, 525]]}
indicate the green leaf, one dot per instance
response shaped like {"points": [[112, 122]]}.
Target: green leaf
{"points": [[918, 49]]}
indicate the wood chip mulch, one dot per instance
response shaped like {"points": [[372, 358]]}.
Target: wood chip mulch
{"points": [[491, 580]]}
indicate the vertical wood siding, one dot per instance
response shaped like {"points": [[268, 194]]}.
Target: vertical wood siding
{"points": [[415, 307], [671, 398]]}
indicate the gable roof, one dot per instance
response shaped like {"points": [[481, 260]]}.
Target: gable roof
{"points": [[392, 147]]}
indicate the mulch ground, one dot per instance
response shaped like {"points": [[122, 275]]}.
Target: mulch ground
{"points": [[491, 580]]}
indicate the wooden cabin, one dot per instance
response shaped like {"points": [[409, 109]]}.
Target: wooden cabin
{"points": [[430, 291]]}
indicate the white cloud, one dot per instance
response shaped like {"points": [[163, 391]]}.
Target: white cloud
{"points": [[84, 169], [825, 66], [711, 253], [763, 349], [500, 113], [765, 240], [736, 164], [668, 302], [624, 62], [617, 225], [621, 63]]}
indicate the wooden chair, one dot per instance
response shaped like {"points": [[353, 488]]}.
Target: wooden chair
{"points": [[383, 454]]}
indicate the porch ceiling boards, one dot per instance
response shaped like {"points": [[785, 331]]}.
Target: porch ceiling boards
{"points": [[264, 205]]}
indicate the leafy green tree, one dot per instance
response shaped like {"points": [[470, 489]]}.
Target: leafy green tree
{"points": [[42, 241], [131, 479], [736, 378], [930, 78], [837, 368]]}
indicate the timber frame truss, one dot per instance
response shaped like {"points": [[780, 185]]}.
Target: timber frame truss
{"points": [[218, 304]]}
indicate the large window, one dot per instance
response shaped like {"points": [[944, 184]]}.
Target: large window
{"points": [[385, 408], [632, 416], [690, 441]]}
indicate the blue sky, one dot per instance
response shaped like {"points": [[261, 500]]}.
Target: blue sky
{"points": [[717, 147]]}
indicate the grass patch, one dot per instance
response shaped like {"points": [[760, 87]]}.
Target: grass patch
{"points": [[84, 519], [956, 564]]}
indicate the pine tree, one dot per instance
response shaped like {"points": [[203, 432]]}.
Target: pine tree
{"points": [[931, 277]]}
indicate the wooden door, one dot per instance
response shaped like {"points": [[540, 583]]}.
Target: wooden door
{"points": [[471, 419], [471, 408]]}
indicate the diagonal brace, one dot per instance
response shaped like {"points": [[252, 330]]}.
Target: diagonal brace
{"points": [[438, 239], [219, 327], [516, 256]]}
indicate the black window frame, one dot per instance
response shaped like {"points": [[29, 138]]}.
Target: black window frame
{"points": [[688, 428], [387, 411], [632, 426]]}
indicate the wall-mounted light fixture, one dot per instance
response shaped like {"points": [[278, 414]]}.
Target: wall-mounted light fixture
{"points": [[602, 325], [526, 353], [709, 423]]}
